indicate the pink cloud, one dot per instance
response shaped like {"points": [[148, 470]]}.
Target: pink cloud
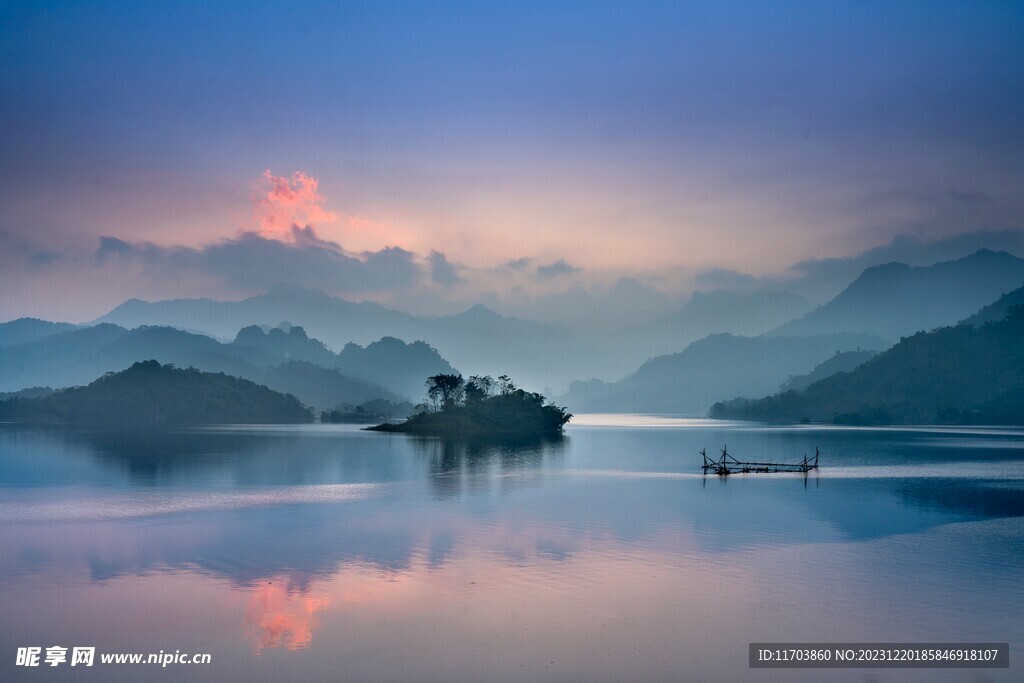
{"points": [[288, 209], [289, 202]]}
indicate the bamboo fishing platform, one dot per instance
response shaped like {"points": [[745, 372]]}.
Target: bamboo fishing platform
{"points": [[727, 465]]}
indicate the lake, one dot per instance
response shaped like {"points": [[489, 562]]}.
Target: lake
{"points": [[320, 552]]}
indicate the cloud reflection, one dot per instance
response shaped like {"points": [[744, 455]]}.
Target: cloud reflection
{"points": [[280, 614]]}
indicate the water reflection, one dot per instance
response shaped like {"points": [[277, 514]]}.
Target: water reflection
{"points": [[281, 613], [472, 464], [603, 555], [205, 458], [973, 499]]}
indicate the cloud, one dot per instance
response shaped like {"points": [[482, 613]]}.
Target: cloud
{"points": [[284, 209], [442, 271], [518, 264], [556, 269], [254, 262], [16, 250], [114, 247], [146, 254], [287, 202], [307, 237]]}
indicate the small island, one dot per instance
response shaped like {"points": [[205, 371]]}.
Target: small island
{"points": [[480, 406]]}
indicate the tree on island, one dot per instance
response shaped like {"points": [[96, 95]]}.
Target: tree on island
{"points": [[481, 405], [446, 391], [479, 388]]}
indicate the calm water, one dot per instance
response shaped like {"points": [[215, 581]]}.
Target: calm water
{"points": [[324, 553]]}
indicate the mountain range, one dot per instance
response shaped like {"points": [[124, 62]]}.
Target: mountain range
{"points": [[29, 329], [714, 368], [895, 300], [745, 314], [883, 304], [957, 374], [290, 361], [478, 341], [886, 301], [718, 345]]}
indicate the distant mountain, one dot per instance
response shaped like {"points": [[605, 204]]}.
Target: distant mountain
{"points": [[886, 302], [81, 355], [152, 395], [746, 314], [961, 374], [478, 314], [896, 300], [709, 370], [171, 345], [821, 279], [29, 329], [480, 341], [477, 341], [60, 360], [843, 361], [319, 387], [325, 317], [400, 367], [293, 344], [997, 310]]}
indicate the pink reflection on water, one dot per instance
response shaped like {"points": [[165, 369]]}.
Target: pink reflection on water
{"points": [[543, 586], [278, 614]]}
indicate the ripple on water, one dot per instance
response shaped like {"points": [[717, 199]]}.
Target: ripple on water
{"points": [[149, 504]]}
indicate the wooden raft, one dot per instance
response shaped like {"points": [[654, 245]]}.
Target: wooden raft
{"points": [[727, 465]]}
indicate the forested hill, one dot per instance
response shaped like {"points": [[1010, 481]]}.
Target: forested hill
{"points": [[997, 310], [149, 394], [961, 374]]}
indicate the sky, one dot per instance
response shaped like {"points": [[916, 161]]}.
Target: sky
{"points": [[431, 154]]}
